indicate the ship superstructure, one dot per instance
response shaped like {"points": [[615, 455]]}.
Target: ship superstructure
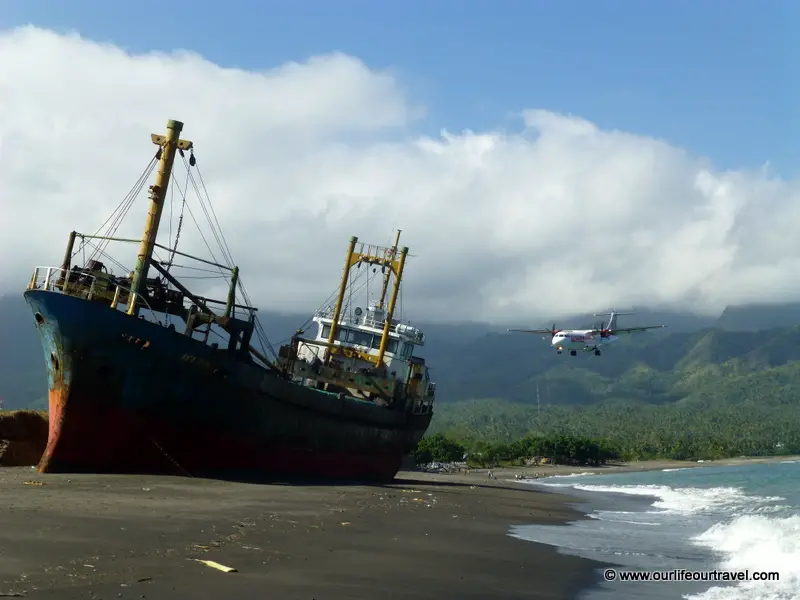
{"points": [[368, 354]]}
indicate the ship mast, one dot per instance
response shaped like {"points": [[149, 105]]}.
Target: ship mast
{"points": [[397, 267], [337, 312], [388, 272], [168, 145]]}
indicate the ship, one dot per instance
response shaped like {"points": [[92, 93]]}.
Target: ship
{"points": [[139, 381]]}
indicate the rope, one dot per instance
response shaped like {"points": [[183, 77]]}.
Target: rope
{"points": [[169, 458], [124, 206], [180, 218]]}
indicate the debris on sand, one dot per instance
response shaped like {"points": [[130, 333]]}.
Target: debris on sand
{"points": [[216, 565], [23, 437]]}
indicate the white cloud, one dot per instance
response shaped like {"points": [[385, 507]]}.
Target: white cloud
{"points": [[558, 218]]}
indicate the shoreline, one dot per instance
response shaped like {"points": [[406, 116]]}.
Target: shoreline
{"points": [[79, 536], [544, 471]]}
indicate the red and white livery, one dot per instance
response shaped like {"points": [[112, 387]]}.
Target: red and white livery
{"points": [[588, 340]]}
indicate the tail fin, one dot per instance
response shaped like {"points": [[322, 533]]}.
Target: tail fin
{"points": [[612, 321]]}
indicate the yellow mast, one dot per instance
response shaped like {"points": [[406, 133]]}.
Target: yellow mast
{"points": [[337, 312], [65, 265], [388, 271], [392, 302], [158, 191]]}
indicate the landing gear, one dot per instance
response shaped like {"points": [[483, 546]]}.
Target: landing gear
{"points": [[596, 352], [559, 351], [573, 353]]}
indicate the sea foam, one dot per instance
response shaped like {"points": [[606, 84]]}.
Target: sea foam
{"points": [[687, 500], [756, 543], [747, 537]]}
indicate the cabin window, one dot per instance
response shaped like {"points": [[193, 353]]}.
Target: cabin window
{"points": [[360, 338], [391, 346], [408, 350], [341, 333]]}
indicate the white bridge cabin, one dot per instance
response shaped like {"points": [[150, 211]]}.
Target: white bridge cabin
{"points": [[356, 348], [364, 358], [363, 334]]}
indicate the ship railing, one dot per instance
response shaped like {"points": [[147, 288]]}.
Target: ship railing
{"points": [[364, 321], [423, 405], [376, 323], [56, 279]]}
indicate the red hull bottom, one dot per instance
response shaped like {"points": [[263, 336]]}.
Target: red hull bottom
{"points": [[98, 439]]}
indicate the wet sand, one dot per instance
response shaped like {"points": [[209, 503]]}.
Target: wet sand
{"points": [[424, 536]]}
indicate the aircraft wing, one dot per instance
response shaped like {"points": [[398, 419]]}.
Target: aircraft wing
{"points": [[550, 331], [632, 329]]}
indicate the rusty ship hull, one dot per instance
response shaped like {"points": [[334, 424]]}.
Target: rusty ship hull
{"points": [[130, 396]]}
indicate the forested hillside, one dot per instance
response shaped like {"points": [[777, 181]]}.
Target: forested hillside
{"points": [[654, 368]]}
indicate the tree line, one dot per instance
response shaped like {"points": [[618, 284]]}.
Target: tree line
{"points": [[559, 449], [505, 431]]}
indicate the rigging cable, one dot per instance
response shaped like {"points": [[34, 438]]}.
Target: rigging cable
{"points": [[266, 347], [123, 207], [180, 218]]}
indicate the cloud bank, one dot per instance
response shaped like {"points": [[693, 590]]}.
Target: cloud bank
{"points": [[558, 218]]}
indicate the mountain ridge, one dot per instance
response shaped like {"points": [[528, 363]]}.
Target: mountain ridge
{"points": [[482, 360]]}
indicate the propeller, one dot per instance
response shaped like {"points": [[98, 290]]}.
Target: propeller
{"points": [[604, 333], [553, 332]]}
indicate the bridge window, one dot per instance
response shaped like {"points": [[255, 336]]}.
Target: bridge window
{"points": [[391, 346], [341, 333], [359, 338], [364, 338]]}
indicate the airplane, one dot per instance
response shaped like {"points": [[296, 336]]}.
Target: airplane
{"points": [[588, 340]]}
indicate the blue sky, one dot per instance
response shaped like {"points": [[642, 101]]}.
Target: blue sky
{"points": [[716, 77]]}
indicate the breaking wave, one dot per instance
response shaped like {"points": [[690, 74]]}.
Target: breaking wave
{"points": [[753, 532], [757, 543]]}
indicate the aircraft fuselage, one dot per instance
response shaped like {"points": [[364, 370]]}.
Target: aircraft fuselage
{"points": [[580, 340]]}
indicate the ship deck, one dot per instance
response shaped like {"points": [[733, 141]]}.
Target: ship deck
{"points": [[94, 536]]}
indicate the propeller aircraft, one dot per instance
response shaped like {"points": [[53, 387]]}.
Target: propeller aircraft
{"points": [[588, 340]]}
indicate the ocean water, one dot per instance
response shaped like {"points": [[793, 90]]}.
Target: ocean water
{"points": [[712, 517]]}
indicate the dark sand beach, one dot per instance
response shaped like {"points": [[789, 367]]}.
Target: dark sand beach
{"points": [[424, 536]]}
